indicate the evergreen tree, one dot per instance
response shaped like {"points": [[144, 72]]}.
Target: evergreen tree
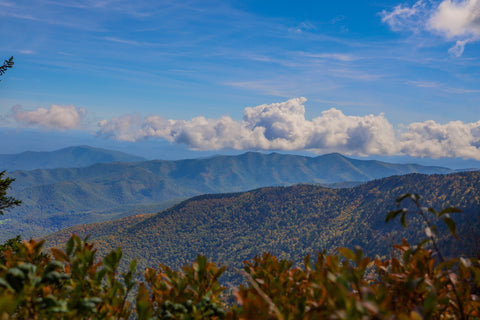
{"points": [[7, 64], [6, 202]]}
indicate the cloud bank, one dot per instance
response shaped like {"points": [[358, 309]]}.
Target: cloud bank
{"points": [[277, 126], [457, 21], [55, 117], [283, 126], [430, 139]]}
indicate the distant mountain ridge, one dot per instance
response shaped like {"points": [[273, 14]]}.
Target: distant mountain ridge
{"points": [[71, 157], [290, 222], [59, 198]]}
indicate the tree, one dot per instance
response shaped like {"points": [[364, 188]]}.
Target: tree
{"points": [[6, 202], [7, 64]]}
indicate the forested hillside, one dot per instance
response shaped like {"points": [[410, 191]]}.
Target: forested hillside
{"points": [[289, 222], [59, 198]]}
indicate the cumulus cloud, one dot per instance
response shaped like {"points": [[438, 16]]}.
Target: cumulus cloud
{"points": [[56, 117], [455, 20], [431, 139], [121, 128], [276, 126], [283, 126]]}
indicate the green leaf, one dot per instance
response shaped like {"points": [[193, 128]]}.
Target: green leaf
{"points": [[413, 196], [430, 304], [5, 284], [347, 253], [69, 247], [143, 303], [403, 197], [393, 214], [403, 220], [451, 225], [449, 210]]}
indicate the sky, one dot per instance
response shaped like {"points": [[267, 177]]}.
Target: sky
{"points": [[174, 79]]}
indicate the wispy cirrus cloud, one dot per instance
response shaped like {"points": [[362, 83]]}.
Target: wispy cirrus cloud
{"points": [[424, 84], [462, 90], [129, 42], [331, 56], [455, 20], [123, 41], [26, 51], [403, 17]]}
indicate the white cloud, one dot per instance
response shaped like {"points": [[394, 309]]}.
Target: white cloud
{"points": [[431, 139], [282, 126], [458, 48], [404, 17], [455, 20], [121, 128], [55, 117], [276, 126], [302, 27]]}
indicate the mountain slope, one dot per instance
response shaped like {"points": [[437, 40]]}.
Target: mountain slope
{"points": [[59, 198], [289, 221], [71, 157]]}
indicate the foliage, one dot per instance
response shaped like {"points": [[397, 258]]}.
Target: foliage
{"points": [[409, 286], [7, 64], [191, 294], [416, 282], [13, 244], [6, 202], [69, 284]]}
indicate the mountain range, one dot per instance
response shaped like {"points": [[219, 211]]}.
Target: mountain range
{"points": [[58, 198], [291, 222], [71, 157]]}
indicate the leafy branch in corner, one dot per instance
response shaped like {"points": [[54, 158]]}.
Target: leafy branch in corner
{"points": [[431, 231]]}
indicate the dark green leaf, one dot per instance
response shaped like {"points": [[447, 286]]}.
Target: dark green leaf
{"points": [[451, 225], [449, 210]]}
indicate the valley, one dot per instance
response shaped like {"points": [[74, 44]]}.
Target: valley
{"points": [[289, 222]]}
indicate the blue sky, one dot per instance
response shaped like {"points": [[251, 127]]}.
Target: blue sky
{"points": [[364, 78]]}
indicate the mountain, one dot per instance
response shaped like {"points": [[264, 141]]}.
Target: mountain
{"points": [[71, 157], [58, 198], [290, 222]]}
